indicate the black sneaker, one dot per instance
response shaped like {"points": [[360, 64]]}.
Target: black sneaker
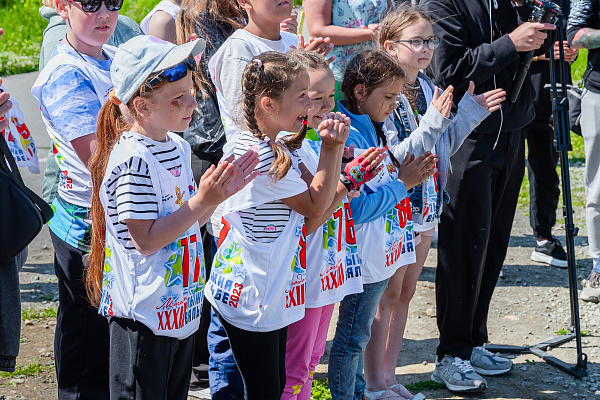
{"points": [[551, 253]]}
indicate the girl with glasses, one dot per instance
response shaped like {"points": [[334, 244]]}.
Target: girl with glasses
{"points": [[421, 122]]}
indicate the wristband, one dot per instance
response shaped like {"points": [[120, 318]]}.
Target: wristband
{"points": [[346, 182]]}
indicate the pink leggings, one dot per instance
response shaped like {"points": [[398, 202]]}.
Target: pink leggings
{"points": [[305, 345]]}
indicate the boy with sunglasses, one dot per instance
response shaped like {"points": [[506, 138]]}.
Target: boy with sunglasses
{"points": [[71, 90]]}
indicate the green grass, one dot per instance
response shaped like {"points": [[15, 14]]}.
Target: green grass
{"points": [[23, 370], [320, 389], [417, 387], [30, 314], [576, 160], [23, 28]]}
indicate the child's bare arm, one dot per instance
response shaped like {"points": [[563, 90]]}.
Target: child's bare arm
{"points": [[373, 157], [244, 169], [313, 202], [148, 236]]}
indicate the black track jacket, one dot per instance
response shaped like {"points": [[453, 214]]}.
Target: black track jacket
{"points": [[465, 53]]}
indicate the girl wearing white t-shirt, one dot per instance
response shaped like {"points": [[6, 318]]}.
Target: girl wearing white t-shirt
{"points": [[419, 123], [257, 284], [146, 270], [331, 251], [382, 217]]}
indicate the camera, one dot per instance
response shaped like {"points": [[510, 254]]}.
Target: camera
{"points": [[543, 11]]}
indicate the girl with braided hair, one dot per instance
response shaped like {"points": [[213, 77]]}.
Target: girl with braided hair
{"points": [[257, 284], [331, 251]]}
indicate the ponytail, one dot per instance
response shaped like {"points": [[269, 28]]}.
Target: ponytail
{"points": [[111, 125]]}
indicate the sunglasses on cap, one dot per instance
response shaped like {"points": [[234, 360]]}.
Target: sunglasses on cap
{"points": [[175, 73], [94, 5]]}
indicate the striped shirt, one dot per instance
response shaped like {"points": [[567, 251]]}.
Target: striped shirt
{"points": [[265, 222], [130, 191]]}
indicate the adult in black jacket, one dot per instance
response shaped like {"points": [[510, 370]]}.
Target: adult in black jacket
{"points": [[487, 174]]}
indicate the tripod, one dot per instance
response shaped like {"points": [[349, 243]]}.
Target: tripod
{"points": [[562, 142]]}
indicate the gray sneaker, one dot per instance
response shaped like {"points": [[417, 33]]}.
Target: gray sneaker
{"points": [[487, 363], [458, 375], [591, 288]]}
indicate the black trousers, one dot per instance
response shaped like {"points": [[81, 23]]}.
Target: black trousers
{"points": [[199, 379], [81, 339], [473, 236], [544, 191], [260, 357], [146, 366]]}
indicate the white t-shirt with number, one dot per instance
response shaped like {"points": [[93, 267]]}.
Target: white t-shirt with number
{"points": [[148, 180], [260, 285], [333, 266], [386, 243]]}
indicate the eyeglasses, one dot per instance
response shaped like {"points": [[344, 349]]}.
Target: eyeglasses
{"points": [[417, 43], [175, 73], [94, 5]]}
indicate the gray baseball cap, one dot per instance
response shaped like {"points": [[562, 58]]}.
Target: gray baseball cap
{"points": [[141, 56]]}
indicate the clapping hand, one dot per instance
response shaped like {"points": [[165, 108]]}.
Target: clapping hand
{"points": [[489, 100]]}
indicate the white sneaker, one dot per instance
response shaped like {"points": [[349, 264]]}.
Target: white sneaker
{"points": [[458, 375], [487, 363]]}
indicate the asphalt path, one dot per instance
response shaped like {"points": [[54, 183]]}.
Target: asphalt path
{"points": [[19, 87]]}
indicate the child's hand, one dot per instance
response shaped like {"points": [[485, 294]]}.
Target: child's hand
{"points": [[363, 168], [489, 100], [244, 169], [290, 24], [414, 171], [318, 45], [334, 130], [354, 194], [443, 102], [214, 183]]}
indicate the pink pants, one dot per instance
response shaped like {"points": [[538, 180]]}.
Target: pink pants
{"points": [[305, 345]]}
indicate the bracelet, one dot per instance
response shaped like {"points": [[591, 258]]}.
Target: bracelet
{"points": [[346, 182]]}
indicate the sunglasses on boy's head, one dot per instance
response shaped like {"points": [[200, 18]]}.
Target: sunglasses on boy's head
{"points": [[94, 5], [175, 73]]}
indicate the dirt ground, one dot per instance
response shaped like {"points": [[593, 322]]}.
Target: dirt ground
{"points": [[530, 305]]}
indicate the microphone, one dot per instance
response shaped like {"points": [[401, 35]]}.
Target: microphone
{"points": [[543, 11]]}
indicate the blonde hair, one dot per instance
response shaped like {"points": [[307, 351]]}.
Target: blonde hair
{"points": [[397, 20], [49, 3]]}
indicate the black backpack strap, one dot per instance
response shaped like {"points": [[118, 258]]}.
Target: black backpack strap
{"points": [[13, 171], [589, 67]]}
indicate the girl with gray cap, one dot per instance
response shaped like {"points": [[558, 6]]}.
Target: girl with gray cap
{"points": [[146, 269]]}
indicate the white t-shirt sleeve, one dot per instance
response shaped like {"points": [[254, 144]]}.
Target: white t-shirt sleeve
{"points": [[131, 194], [230, 72]]}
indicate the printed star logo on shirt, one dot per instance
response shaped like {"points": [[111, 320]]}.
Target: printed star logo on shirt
{"points": [[330, 258], [298, 231], [239, 271], [108, 280], [174, 266]]}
